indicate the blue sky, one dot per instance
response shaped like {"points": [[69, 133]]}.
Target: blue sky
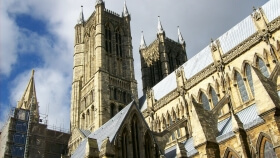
{"points": [[39, 35]]}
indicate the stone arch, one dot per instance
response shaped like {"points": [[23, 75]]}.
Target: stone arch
{"points": [[216, 85], [119, 28], [204, 99], [213, 95], [109, 24], [148, 144], [265, 146], [124, 142], [135, 134], [230, 153], [240, 85], [163, 121], [243, 66], [182, 109], [177, 110], [256, 56], [248, 75], [267, 55], [232, 76], [259, 60], [173, 114], [92, 30]]}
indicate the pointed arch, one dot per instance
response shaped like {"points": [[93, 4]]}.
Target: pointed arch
{"points": [[230, 153], [182, 110], [241, 86], [148, 145], [173, 114], [164, 124], [118, 42], [214, 96], [265, 146], [261, 65], [125, 143], [108, 37], [204, 100], [177, 112], [135, 136], [248, 74]]}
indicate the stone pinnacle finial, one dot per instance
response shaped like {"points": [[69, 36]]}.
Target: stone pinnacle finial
{"points": [[98, 2], [160, 29], [32, 72], [180, 37], [81, 18], [125, 10], [142, 43]]}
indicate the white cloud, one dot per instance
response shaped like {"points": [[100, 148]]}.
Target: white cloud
{"points": [[53, 93], [8, 41]]}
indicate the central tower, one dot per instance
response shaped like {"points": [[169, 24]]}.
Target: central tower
{"points": [[103, 72]]}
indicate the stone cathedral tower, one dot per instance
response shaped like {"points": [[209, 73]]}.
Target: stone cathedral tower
{"points": [[161, 57], [103, 72]]}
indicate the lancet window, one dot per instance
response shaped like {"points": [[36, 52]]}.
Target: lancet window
{"points": [[214, 96], [108, 39], [204, 101], [261, 65], [118, 43], [125, 144], [249, 77], [241, 87], [135, 137]]}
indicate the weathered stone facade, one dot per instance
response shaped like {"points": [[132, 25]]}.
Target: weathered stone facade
{"points": [[103, 72], [160, 58], [243, 78], [223, 102]]}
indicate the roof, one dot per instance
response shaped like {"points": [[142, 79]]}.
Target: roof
{"points": [[228, 41], [110, 128], [271, 9], [86, 133], [142, 103], [248, 116], [189, 146], [81, 150]]}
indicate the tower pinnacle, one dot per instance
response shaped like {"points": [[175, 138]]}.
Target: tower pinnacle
{"points": [[160, 29], [98, 2], [125, 11], [81, 18], [180, 37], [143, 43], [29, 97]]}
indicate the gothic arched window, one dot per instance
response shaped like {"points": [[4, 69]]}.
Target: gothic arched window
{"points": [[241, 87], [118, 42], [108, 39], [261, 65], [214, 96], [249, 77], [266, 149], [204, 101], [148, 146], [135, 137], [125, 144]]}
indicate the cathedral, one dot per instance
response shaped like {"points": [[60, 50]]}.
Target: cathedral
{"points": [[224, 102]]}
